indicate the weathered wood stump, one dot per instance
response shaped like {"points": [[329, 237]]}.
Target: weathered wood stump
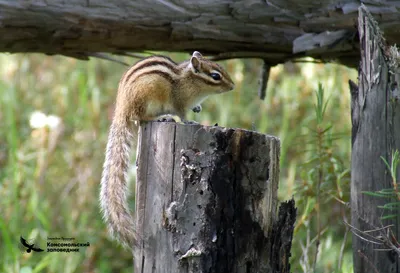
{"points": [[375, 134], [206, 201]]}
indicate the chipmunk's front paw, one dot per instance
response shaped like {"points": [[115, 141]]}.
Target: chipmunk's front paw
{"points": [[166, 119], [197, 108]]}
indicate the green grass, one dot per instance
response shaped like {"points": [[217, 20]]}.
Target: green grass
{"points": [[49, 177]]}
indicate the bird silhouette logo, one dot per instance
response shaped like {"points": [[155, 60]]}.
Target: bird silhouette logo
{"points": [[29, 246]]}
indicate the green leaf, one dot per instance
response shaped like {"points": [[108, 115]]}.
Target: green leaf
{"points": [[393, 205], [390, 216], [44, 263], [378, 194]]}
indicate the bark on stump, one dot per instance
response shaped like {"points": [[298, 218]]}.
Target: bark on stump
{"points": [[375, 134], [206, 201]]}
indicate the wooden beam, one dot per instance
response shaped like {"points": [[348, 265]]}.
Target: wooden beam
{"points": [[275, 31]]}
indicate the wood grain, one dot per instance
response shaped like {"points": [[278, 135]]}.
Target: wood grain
{"points": [[272, 30], [207, 201], [376, 133]]}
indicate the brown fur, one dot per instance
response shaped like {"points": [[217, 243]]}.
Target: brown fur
{"points": [[152, 87]]}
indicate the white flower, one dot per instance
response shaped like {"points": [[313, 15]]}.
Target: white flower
{"points": [[40, 120], [53, 121], [37, 120]]}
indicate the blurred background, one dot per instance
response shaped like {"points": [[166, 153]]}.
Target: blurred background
{"points": [[54, 117]]}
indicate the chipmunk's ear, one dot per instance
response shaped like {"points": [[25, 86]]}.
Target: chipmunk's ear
{"points": [[197, 54], [195, 64]]}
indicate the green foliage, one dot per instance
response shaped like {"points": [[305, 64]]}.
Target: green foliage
{"points": [[321, 194], [391, 193], [55, 113]]}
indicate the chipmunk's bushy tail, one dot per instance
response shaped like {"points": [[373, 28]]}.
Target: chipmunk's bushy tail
{"points": [[114, 185]]}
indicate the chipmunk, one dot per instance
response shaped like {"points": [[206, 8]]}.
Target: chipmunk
{"points": [[153, 87]]}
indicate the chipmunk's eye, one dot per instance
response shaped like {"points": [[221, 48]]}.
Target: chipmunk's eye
{"points": [[215, 76]]}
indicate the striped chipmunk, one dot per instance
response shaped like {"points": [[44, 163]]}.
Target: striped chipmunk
{"points": [[153, 87]]}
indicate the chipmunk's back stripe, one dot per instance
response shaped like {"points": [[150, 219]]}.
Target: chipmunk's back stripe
{"points": [[165, 75], [157, 61], [165, 58], [151, 61]]}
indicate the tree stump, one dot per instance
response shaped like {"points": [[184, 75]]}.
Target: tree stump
{"points": [[375, 134], [206, 201]]}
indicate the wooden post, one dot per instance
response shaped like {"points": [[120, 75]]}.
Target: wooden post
{"points": [[376, 133], [207, 201]]}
